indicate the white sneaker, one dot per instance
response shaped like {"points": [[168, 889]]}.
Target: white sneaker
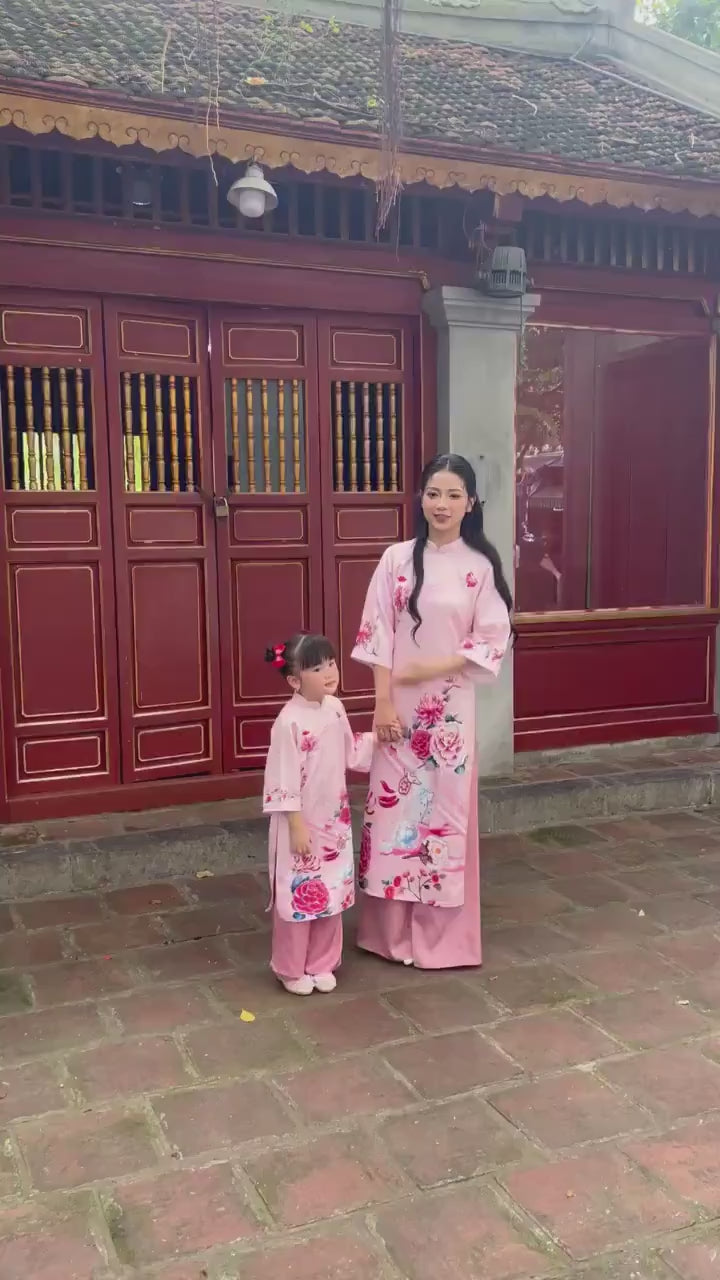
{"points": [[325, 982], [299, 986]]}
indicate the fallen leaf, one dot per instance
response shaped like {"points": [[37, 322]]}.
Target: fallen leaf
{"points": [[255, 80], [246, 1017], [204, 875], [641, 912]]}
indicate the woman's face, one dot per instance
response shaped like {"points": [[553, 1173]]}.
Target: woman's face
{"points": [[445, 503]]}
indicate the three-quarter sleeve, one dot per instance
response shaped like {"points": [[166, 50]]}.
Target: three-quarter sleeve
{"points": [[375, 639], [358, 750], [485, 646], [281, 787]]}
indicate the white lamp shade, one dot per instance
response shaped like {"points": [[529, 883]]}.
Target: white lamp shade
{"points": [[252, 194]]}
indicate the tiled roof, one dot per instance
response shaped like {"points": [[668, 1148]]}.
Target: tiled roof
{"points": [[327, 73]]}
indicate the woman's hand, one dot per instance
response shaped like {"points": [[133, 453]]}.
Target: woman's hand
{"points": [[299, 834], [419, 672], [386, 723]]}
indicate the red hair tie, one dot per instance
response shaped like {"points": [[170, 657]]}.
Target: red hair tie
{"points": [[279, 659]]}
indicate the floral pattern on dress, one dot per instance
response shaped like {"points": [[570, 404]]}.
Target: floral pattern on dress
{"points": [[401, 594], [436, 735]]}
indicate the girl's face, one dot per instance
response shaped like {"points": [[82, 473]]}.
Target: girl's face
{"points": [[445, 503], [317, 682]]}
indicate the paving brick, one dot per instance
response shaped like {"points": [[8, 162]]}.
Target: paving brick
{"points": [[513, 871], [452, 1141], [42, 912], [347, 1027], [123, 933], [178, 961], [671, 1083], [567, 836], [215, 1118], [646, 1019], [522, 905], [15, 995], [594, 1202], [232, 1049], [334, 1174], [592, 890], [21, 950], [686, 1159], [681, 911], [165, 1009], [616, 924], [10, 1184], [206, 922], [445, 1065], [352, 1087], [143, 898], [25, 1035], [561, 1111], [171, 1214], [692, 952], [650, 882], [543, 1042], [704, 990], [81, 980], [530, 986], [117, 1070], [622, 969], [251, 891], [459, 1233], [511, 943], [632, 1264], [67, 1150], [250, 948], [569, 862], [348, 1254], [257, 993], [6, 921], [59, 1247], [444, 1006], [696, 1260], [29, 1090]]}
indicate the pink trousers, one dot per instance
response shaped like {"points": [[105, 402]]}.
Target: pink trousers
{"points": [[429, 937], [306, 946]]}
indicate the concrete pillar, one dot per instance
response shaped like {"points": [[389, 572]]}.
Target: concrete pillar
{"points": [[477, 366]]}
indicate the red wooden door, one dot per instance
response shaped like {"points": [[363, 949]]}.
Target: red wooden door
{"points": [[366, 396], [162, 487], [57, 657], [267, 466]]}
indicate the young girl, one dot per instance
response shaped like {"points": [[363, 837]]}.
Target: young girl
{"points": [[312, 874]]}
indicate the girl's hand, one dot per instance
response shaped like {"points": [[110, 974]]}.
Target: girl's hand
{"points": [[299, 834], [386, 724]]}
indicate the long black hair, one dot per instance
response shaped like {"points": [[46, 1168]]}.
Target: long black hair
{"points": [[471, 531], [302, 652]]}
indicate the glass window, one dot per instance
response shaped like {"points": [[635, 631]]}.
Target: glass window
{"points": [[611, 470]]}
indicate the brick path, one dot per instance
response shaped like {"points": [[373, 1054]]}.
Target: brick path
{"points": [[555, 1115]]}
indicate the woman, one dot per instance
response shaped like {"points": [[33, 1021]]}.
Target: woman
{"points": [[436, 621]]}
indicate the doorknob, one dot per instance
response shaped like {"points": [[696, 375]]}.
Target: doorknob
{"points": [[221, 508]]}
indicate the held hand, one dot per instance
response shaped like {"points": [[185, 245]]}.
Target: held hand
{"points": [[386, 725], [299, 834]]}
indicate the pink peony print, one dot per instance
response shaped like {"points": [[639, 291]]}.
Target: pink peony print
{"points": [[344, 814], [365, 634], [308, 742], [447, 746], [421, 743], [430, 710], [401, 594], [468, 644], [470, 580], [364, 865], [310, 897]]}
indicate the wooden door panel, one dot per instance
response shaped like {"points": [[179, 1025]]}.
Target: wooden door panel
{"points": [[161, 458], [264, 371], [366, 379], [58, 673]]}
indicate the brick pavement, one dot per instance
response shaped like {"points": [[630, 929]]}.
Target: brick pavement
{"points": [[556, 1114]]}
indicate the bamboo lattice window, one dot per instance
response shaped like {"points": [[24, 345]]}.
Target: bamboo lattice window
{"points": [[160, 432], [46, 428], [265, 435], [367, 419]]}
